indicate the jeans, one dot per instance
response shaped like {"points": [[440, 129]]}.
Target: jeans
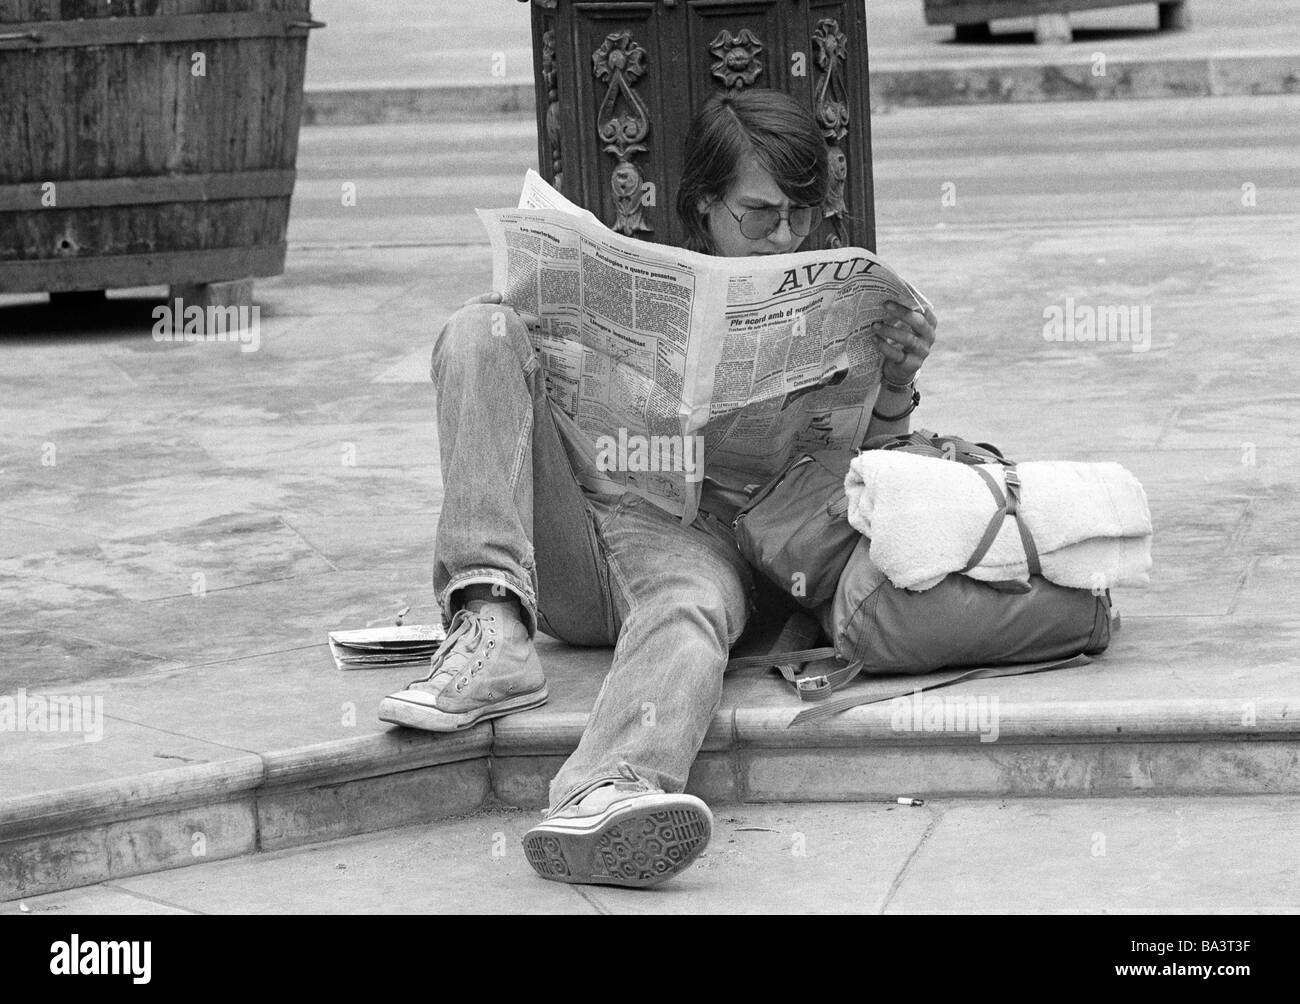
{"points": [[588, 569]]}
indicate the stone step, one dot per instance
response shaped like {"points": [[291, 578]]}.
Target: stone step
{"points": [[922, 83], [223, 769]]}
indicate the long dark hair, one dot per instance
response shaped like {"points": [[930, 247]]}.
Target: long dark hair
{"points": [[765, 124]]}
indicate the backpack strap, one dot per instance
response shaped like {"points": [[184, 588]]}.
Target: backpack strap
{"points": [[829, 708], [1008, 505], [811, 685], [778, 657], [1013, 509], [925, 443], [796, 662], [799, 670]]}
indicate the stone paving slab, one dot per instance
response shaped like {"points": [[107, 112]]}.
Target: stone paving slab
{"points": [[1151, 855], [808, 859], [103, 900], [1130, 856], [53, 778]]}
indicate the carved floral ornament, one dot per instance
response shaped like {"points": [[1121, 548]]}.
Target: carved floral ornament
{"points": [[831, 109], [550, 76], [622, 124], [621, 63], [831, 102], [737, 58], [832, 106]]}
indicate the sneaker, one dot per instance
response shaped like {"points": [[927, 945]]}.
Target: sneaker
{"points": [[622, 832], [485, 668]]}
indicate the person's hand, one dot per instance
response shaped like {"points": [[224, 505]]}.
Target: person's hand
{"points": [[905, 338], [532, 320]]}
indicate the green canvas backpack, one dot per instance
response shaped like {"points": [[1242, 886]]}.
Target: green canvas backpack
{"points": [[795, 530]]}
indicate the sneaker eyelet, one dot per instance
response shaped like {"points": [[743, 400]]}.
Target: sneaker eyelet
{"points": [[460, 683]]}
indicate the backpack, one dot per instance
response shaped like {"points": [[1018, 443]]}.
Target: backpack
{"points": [[796, 531]]}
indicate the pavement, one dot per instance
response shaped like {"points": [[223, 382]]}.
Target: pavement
{"points": [[1036, 856], [419, 60], [181, 524]]}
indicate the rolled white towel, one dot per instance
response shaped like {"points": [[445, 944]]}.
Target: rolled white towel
{"points": [[925, 516]]}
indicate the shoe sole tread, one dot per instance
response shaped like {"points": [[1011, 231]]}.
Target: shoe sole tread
{"points": [[637, 847]]}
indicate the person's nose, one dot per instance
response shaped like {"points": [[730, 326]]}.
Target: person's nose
{"points": [[782, 237]]}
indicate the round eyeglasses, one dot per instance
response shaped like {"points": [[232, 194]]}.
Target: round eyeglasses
{"points": [[759, 223]]}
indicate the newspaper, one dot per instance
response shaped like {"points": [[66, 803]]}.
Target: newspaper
{"points": [[383, 647], [670, 363]]}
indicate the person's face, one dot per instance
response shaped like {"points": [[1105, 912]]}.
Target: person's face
{"points": [[753, 188]]}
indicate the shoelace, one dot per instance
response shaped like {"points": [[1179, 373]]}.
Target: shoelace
{"points": [[466, 624]]}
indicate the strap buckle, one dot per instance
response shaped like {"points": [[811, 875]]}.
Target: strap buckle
{"points": [[811, 683], [1012, 478]]}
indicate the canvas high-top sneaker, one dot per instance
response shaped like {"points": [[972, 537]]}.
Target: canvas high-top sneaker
{"points": [[487, 667], [619, 831]]}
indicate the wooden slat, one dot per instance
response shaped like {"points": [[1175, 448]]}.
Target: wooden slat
{"points": [[148, 190], [122, 271], [289, 87], [73, 10], [108, 231], [138, 30]]}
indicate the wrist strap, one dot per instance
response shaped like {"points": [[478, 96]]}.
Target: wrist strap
{"points": [[916, 399], [897, 388]]}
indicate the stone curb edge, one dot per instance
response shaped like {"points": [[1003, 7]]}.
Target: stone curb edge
{"points": [[242, 774], [542, 734], [899, 86]]}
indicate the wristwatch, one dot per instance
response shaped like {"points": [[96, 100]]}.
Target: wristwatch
{"points": [[916, 399]]}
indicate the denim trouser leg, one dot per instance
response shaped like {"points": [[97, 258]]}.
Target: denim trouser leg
{"points": [[508, 482], [683, 596], [604, 569]]}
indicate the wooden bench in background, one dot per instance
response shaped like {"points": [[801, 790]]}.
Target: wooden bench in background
{"points": [[1051, 17]]}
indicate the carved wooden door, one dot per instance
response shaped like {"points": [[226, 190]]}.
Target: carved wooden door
{"points": [[618, 82]]}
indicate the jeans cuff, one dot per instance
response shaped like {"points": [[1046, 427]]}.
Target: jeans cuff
{"points": [[492, 577]]}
